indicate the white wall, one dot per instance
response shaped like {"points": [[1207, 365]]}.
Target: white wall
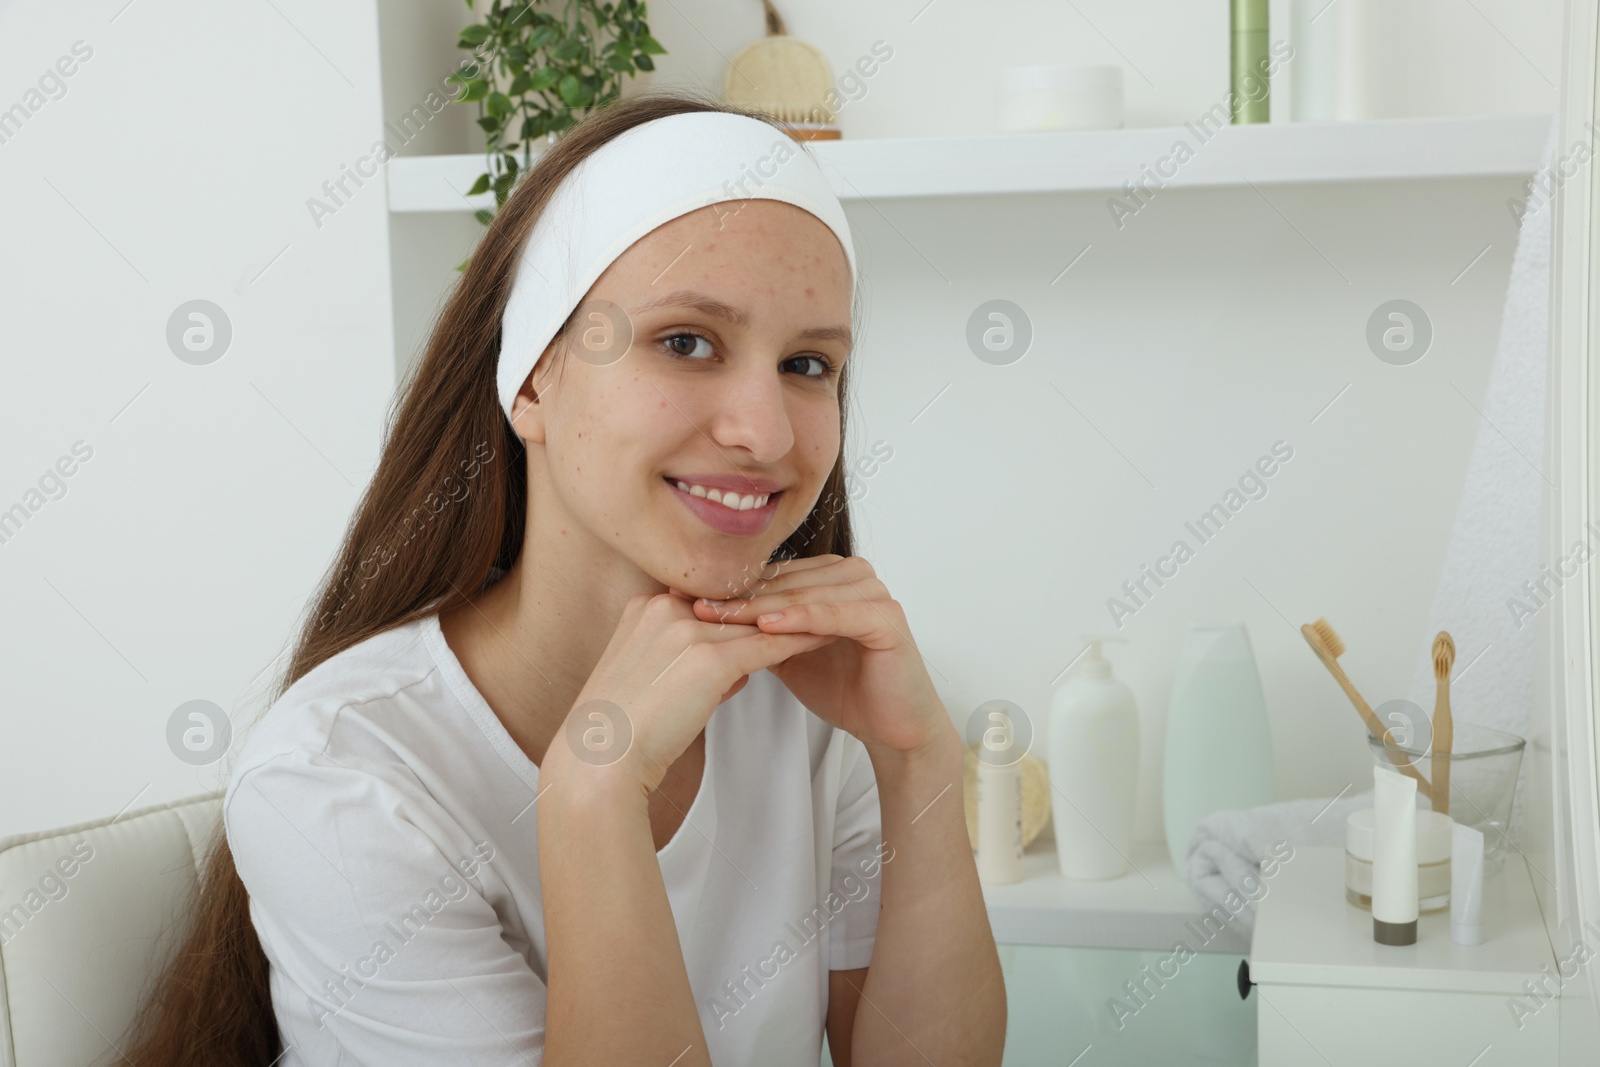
{"points": [[1193, 339], [176, 166]]}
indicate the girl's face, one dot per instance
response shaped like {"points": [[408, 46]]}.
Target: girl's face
{"points": [[707, 354]]}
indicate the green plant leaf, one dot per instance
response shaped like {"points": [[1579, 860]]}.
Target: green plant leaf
{"points": [[474, 35], [569, 49], [571, 90], [619, 63], [649, 44], [498, 104], [643, 62], [521, 84], [479, 186], [477, 89], [488, 125], [484, 216], [544, 78]]}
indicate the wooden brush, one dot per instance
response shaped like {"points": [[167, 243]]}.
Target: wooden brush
{"points": [[785, 78], [1326, 644], [1444, 659]]}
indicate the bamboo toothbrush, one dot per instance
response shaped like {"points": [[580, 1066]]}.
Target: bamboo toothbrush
{"points": [[1326, 644], [1444, 658]]}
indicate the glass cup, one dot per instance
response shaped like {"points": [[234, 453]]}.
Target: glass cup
{"points": [[1484, 764]]}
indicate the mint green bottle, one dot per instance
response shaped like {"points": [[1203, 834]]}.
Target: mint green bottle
{"points": [[1218, 751], [1248, 82]]}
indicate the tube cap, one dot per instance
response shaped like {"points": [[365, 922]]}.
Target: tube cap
{"points": [[1394, 933], [1466, 933]]}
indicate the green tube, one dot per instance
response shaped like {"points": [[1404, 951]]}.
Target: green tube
{"points": [[1248, 84]]}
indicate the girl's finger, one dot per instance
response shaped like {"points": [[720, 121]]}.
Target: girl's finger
{"points": [[875, 624], [836, 570], [773, 570], [760, 650], [746, 609]]}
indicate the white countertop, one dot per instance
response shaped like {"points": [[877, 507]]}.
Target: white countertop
{"points": [[1146, 908], [1308, 934]]}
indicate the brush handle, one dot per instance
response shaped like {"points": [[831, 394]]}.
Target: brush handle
{"points": [[1374, 726], [1443, 738]]}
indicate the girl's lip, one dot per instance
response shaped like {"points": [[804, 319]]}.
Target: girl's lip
{"points": [[739, 483], [726, 520]]}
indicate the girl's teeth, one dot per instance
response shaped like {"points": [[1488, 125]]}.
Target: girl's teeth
{"points": [[730, 500]]}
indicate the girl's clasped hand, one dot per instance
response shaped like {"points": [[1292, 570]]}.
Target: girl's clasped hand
{"points": [[873, 685], [824, 625]]}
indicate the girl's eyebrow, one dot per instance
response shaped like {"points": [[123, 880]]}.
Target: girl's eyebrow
{"points": [[717, 309]]}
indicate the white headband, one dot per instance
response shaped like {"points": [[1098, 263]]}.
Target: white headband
{"points": [[641, 179]]}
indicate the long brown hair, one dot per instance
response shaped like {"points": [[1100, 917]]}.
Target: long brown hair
{"points": [[404, 556]]}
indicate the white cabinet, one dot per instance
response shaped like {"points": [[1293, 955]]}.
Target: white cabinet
{"points": [[1330, 995]]}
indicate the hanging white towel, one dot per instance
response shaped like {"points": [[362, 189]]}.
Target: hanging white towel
{"points": [[1494, 544]]}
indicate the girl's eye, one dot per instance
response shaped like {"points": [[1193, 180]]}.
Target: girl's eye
{"points": [[691, 338], [822, 362], [683, 345]]}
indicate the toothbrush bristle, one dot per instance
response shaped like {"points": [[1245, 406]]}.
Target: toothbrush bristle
{"points": [[1444, 654], [1330, 639]]}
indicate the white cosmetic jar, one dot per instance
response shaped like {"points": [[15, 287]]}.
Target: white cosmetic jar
{"points": [[1060, 97], [1433, 859]]}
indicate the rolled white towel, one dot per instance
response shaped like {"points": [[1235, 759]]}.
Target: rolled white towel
{"points": [[1223, 863]]}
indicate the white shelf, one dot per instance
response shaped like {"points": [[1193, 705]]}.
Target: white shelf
{"points": [[1308, 935], [999, 164], [1145, 909]]}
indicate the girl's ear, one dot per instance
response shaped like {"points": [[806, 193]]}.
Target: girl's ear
{"points": [[528, 407], [527, 414]]}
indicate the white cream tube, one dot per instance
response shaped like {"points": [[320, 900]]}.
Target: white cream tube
{"points": [[1353, 44], [1313, 32], [1394, 858], [999, 823], [1466, 885]]}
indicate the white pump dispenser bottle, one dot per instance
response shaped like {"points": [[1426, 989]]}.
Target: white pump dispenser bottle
{"points": [[1094, 768]]}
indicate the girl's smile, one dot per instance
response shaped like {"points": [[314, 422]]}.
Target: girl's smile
{"points": [[739, 510]]}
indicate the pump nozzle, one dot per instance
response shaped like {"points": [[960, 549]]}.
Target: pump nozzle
{"points": [[1095, 665]]}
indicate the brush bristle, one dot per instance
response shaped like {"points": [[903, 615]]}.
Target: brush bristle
{"points": [[1330, 639], [1444, 654]]}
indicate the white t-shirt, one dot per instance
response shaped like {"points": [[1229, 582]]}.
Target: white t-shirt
{"points": [[382, 819]]}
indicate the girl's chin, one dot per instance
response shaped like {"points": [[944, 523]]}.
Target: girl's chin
{"points": [[716, 579]]}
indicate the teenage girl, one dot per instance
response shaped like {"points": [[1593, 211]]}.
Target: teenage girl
{"points": [[599, 744]]}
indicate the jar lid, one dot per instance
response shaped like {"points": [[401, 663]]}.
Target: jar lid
{"points": [[1081, 77], [1433, 835]]}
